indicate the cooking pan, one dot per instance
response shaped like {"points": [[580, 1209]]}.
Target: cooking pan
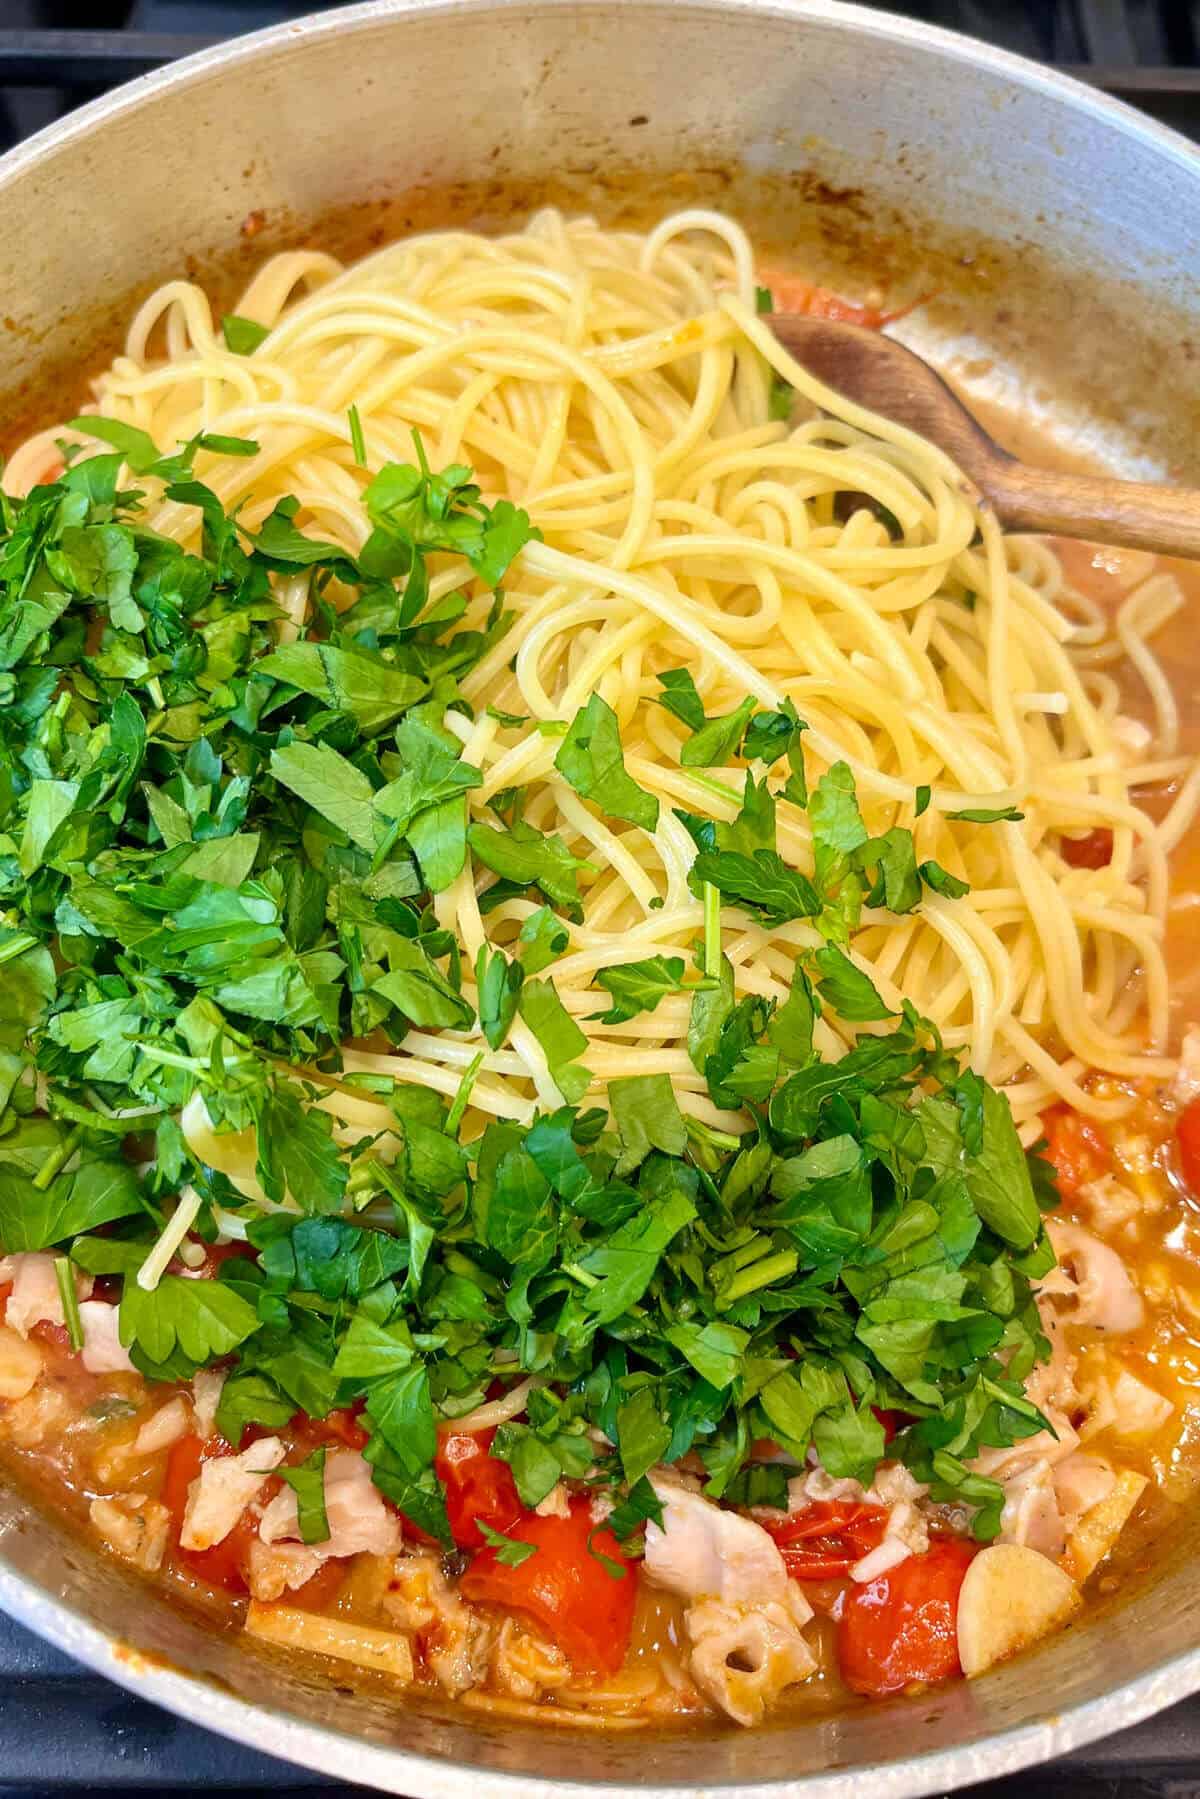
{"points": [[1055, 238]]}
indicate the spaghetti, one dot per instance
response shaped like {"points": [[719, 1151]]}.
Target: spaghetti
{"points": [[620, 388]]}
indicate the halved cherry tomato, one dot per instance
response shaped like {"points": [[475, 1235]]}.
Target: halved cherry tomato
{"points": [[1187, 1136], [318, 1592], [54, 1336], [892, 1422], [225, 1563], [902, 1627], [827, 1537], [340, 1429], [478, 1486], [183, 1465], [1095, 850], [793, 294], [222, 1565], [564, 1587], [1076, 1148]]}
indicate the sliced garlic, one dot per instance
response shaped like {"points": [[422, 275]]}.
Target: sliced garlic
{"points": [[1097, 1531], [1010, 1598]]}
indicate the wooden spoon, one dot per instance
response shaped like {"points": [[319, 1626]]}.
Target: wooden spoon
{"points": [[887, 378]]}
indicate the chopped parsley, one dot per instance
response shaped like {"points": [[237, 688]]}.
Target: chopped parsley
{"points": [[218, 853]]}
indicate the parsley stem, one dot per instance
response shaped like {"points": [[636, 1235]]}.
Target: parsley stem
{"points": [[58, 1158], [17, 945], [70, 1300], [363, 1177], [154, 1052], [712, 930], [462, 1098], [759, 1274], [704, 1133], [357, 441]]}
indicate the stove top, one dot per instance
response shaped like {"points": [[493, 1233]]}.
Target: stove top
{"points": [[65, 1731]]}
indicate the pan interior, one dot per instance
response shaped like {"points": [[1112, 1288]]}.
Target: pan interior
{"points": [[1041, 227]]}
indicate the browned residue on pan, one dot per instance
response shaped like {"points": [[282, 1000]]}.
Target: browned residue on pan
{"points": [[1048, 320]]}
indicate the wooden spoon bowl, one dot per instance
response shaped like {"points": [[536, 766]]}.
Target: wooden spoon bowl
{"points": [[886, 377]]}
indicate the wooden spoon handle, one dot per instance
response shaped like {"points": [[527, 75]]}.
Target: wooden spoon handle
{"points": [[1135, 514]]}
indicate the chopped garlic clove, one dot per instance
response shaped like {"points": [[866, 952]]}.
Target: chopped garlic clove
{"points": [[1011, 1597]]}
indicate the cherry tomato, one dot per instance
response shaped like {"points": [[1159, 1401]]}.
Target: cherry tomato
{"points": [[791, 293], [54, 1336], [478, 1486], [564, 1587], [902, 1627], [1094, 850], [183, 1465], [1187, 1136], [224, 1564], [221, 1566], [339, 1430], [322, 1589], [827, 1537], [1076, 1148], [892, 1422]]}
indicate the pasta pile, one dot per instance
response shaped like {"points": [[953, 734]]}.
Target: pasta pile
{"points": [[623, 388]]}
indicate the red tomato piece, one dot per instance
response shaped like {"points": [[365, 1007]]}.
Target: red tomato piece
{"points": [[222, 1565], [1076, 1148], [322, 1589], [827, 1537], [791, 293], [183, 1465], [478, 1486], [54, 1336], [892, 1422], [5, 1290], [339, 1430], [564, 1587], [1094, 850], [1187, 1136], [902, 1627]]}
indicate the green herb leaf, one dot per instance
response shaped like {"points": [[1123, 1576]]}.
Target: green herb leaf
{"points": [[845, 988], [988, 815], [647, 1117], [679, 697], [242, 336], [639, 986], [331, 785], [527, 858], [718, 739], [590, 759], [762, 882], [559, 1037], [511, 1552], [307, 1481], [941, 881]]}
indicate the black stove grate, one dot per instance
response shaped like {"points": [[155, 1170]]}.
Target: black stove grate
{"points": [[64, 1731]]}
